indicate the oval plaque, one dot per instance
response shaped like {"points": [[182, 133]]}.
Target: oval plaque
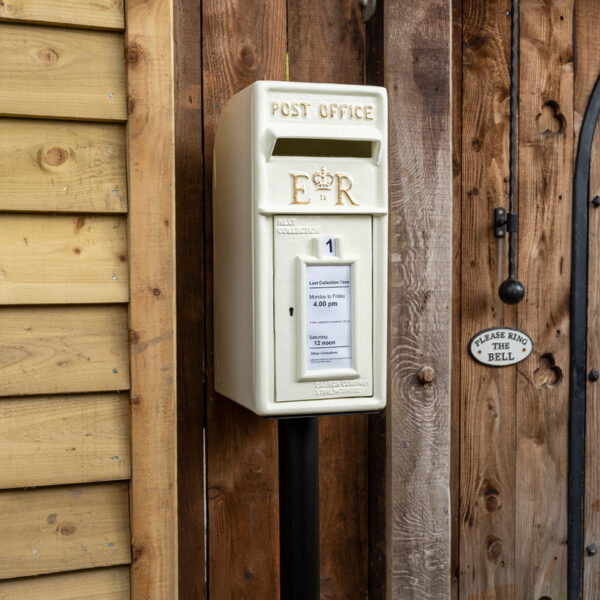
{"points": [[500, 346]]}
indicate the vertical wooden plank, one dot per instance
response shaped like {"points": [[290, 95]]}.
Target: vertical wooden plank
{"points": [[326, 42], [150, 135], [457, 83], [417, 75], [587, 15], [191, 495], [542, 400], [242, 41], [487, 413], [377, 463]]}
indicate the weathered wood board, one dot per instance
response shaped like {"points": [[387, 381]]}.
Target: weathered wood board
{"points": [[457, 96], [58, 529], [417, 63], [64, 439], [152, 308], [487, 404], [63, 259], [54, 350], [47, 72], [542, 394], [242, 41], [191, 290], [62, 167], [101, 14], [110, 583], [335, 34]]}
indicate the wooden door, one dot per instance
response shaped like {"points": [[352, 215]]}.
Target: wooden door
{"points": [[511, 425]]}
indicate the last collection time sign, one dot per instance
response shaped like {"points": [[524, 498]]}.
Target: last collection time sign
{"points": [[500, 346]]}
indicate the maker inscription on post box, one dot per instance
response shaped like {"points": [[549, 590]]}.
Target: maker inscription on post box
{"points": [[300, 248], [500, 346]]}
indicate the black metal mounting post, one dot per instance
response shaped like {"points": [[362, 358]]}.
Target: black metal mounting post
{"points": [[299, 508]]}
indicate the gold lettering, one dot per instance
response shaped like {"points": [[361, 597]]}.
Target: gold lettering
{"points": [[275, 106], [305, 106], [368, 109], [323, 110], [295, 111], [332, 109], [296, 188], [357, 114], [343, 108], [285, 109], [344, 190]]}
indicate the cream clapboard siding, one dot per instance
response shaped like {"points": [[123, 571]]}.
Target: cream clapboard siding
{"points": [[56, 529], [103, 14], [62, 166], [52, 259], [50, 440], [97, 584], [62, 73], [65, 437]]}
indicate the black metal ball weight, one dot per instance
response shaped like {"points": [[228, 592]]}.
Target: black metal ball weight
{"points": [[511, 291]]}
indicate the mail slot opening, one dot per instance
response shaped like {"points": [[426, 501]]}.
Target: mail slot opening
{"points": [[324, 147]]}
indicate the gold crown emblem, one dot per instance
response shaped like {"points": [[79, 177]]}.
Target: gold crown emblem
{"points": [[322, 179]]}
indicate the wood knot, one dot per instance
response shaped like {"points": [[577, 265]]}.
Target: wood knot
{"points": [[476, 144], [130, 105], [491, 495], [67, 529], [132, 54], [494, 548], [48, 56], [134, 336], [426, 375], [136, 552], [248, 56], [77, 250], [80, 222], [156, 292], [51, 518], [56, 156]]}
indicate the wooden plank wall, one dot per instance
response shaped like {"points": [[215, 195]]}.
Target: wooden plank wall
{"points": [[510, 431], [65, 458]]}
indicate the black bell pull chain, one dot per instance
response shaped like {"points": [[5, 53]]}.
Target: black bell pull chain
{"points": [[511, 290]]}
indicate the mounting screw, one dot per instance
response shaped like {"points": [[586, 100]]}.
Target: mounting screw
{"points": [[596, 201], [594, 375], [591, 549], [426, 375]]}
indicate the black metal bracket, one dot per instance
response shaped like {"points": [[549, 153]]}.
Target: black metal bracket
{"points": [[500, 222], [504, 221]]}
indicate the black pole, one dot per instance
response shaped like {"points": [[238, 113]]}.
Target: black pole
{"points": [[299, 507]]}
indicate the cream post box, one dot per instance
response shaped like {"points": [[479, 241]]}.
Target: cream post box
{"points": [[300, 248]]}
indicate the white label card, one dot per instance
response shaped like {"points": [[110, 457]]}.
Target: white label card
{"points": [[328, 317]]}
